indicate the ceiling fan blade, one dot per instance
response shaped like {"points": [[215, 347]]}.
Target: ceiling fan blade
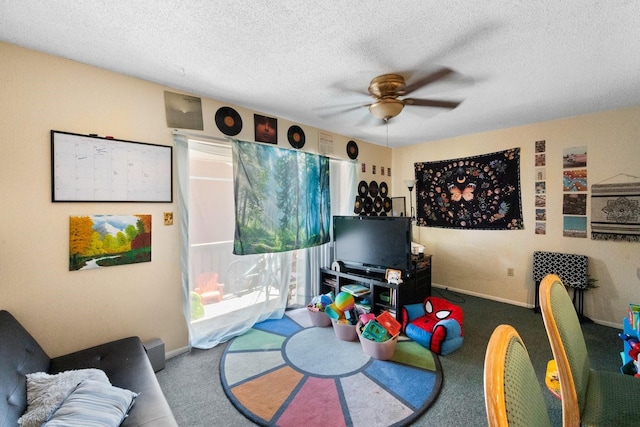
{"points": [[440, 74], [430, 103], [337, 110], [366, 120]]}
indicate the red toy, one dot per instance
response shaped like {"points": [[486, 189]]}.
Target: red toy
{"points": [[435, 324], [634, 351]]}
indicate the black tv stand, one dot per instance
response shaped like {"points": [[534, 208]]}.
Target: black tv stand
{"points": [[416, 285]]}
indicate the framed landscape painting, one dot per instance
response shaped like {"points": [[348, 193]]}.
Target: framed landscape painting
{"points": [[106, 240]]}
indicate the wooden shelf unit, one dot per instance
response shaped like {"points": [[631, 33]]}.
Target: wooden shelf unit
{"points": [[413, 289]]}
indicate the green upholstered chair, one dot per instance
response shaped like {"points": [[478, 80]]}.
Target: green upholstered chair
{"points": [[589, 397], [512, 393]]}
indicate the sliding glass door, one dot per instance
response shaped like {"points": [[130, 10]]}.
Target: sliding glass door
{"points": [[225, 294]]}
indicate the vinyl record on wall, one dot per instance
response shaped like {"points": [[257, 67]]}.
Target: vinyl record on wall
{"points": [[363, 188], [228, 121], [296, 138], [357, 207], [386, 204], [368, 205], [384, 189], [352, 150], [373, 189], [377, 203]]}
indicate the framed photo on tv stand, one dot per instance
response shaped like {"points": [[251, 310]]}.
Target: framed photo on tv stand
{"points": [[398, 206], [393, 276]]}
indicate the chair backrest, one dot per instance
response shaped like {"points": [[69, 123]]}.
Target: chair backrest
{"points": [[512, 392], [441, 309], [568, 346]]}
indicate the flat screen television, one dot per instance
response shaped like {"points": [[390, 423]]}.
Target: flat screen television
{"points": [[373, 243]]}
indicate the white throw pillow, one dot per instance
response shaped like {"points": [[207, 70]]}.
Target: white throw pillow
{"points": [[93, 404], [46, 392]]}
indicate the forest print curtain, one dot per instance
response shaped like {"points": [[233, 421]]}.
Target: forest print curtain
{"points": [[281, 199]]}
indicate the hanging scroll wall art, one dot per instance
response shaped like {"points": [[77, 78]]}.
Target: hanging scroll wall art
{"points": [[480, 192], [615, 212]]}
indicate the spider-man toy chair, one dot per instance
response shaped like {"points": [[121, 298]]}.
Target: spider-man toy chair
{"points": [[435, 324]]}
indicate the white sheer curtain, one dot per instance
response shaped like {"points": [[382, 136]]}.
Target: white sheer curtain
{"points": [[224, 294], [343, 177], [254, 287]]}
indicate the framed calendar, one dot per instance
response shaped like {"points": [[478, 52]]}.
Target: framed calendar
{"points": [[90, 168]]}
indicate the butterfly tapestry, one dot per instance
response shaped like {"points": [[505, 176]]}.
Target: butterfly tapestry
{"points": [[480, 192]]}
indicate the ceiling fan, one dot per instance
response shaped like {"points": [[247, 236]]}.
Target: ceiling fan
{"points": [[388, 88]]}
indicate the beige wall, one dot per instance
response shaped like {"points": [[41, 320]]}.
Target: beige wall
{"points": [[66, 310], [70, 310], [477, 261]]}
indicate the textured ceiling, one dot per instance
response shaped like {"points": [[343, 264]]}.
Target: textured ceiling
{"points": [[516, 62]]}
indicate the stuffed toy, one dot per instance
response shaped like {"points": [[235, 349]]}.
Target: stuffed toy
{"points": [[435, 324]]}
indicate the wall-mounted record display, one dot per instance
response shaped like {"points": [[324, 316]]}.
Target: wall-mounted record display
{"points": [[228, 121], [295, 135], [373, 199], [352, 150]]}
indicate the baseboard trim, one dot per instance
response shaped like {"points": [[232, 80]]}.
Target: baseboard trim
{"points": [[177, 352], [480, 295], [518, 303]]}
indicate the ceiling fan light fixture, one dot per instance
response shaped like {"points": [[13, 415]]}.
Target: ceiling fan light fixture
{"points": [[386, 108]]}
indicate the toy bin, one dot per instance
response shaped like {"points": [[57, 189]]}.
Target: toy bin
{"points": [[344, 331], [378, 350], [318, 318]]}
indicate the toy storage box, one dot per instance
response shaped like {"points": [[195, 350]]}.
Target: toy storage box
{"points": [[318, 318], [378, 350], [344, 331]]}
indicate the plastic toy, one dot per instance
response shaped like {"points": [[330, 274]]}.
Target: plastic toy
{"points": [[344, 301], [389, 322], [435, 324], [320, 302], [633, 352], [197, 309], [374, 331], [334, 312], [366, 317]]}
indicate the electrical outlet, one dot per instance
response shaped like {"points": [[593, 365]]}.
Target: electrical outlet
{"points": [[510, 272], [168, 218]]}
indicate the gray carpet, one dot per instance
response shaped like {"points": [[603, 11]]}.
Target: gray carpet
{"points": [[191, 381]]}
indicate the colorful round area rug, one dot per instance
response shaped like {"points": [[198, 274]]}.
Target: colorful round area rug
{"points": [[287, 372]]}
